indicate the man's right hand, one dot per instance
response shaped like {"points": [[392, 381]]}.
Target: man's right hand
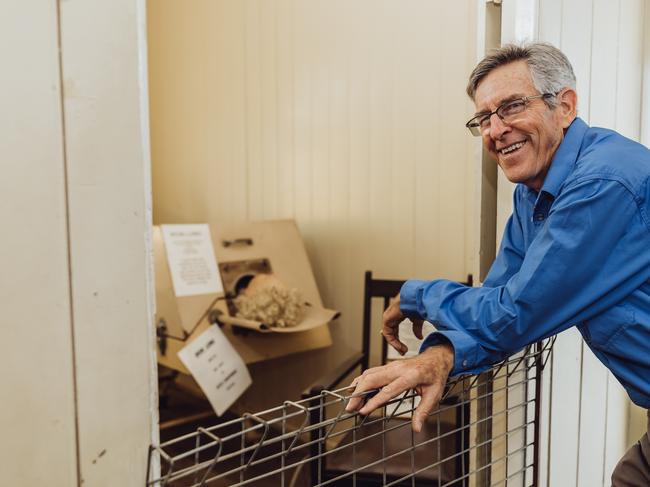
{"points": [[426, 373], [390, 326]]}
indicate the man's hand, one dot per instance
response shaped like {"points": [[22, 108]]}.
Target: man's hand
{"points": [[390, 326], [427, 374]]}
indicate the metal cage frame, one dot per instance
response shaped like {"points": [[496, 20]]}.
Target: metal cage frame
{"points": [[272, 447]]}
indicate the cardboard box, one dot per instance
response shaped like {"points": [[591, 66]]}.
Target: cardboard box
{"points": [[241, 250]]}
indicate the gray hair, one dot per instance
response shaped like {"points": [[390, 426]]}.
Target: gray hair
{"points": [[549, 68]]}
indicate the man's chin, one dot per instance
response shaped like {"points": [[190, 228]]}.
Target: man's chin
{"points": [[511, 175]]}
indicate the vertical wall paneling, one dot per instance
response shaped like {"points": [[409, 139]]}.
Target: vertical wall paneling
{"points": [[587, 408], [148, 299], [38, 392], [107, 166], [347, 116], [568, 362], [637, 415], [645, 98], [630, 68], [603, 82], [79, 383], [576, 43], [518, 24]]}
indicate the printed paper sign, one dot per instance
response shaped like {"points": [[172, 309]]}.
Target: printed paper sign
{"points": [[191, 259], [217, 367], [407, 337]]}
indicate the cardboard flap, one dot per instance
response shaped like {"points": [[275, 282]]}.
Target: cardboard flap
{"points": [[252, 247], [279, 242], [314, 316]]}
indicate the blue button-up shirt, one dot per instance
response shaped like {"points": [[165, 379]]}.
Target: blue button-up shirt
{"points": [[575, 254]]}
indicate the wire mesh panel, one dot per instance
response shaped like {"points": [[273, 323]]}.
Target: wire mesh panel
{"points": [[485, 432]]}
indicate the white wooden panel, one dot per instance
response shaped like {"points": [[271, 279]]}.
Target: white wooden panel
{"points": [[627, 122], [347, 116], [629, 68], [637, 425], [516, 417], [645, 99], [108, 166], [567, 427], [593, 408], [549, 24], [518, 25], [594, 419], [603, 79], [38, 395], [615, 435], [576, 43], [565, 409]]}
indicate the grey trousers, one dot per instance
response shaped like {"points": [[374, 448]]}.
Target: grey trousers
{"points": [[633, 470]]}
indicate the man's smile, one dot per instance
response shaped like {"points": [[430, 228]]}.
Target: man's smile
{"points": [[512, 147]]}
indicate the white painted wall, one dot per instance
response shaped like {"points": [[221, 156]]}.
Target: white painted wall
{"points": [[604, 40], [38, 400], [79, 395]]}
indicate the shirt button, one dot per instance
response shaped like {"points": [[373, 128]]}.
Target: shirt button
{"points": [[464, 363], [539, 217]]}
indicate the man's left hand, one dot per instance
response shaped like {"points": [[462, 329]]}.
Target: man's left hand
{"points": [[427, 374], [391, 320]]}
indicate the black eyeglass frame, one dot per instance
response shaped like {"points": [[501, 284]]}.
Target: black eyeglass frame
{"points": [[474, 123]]}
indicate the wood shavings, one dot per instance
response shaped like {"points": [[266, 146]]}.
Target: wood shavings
{"points": [[270, 302]]}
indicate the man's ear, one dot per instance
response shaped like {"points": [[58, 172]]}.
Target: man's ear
{"points": [[568, 105]]}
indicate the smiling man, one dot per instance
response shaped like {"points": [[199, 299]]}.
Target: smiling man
{"points": [[575, 252]]}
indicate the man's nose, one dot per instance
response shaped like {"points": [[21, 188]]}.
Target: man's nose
{"points": [[497, 127]]}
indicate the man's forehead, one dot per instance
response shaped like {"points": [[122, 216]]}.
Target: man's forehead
{"points": [[503, 83]]}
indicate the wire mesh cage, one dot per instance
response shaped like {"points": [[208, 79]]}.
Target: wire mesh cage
{"points": [[484, 432]]}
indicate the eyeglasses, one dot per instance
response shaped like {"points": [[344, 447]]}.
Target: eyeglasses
{"points": [[506, 111]]}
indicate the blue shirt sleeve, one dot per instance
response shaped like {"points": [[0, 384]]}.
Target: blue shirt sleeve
{"points": [[587, 256]]}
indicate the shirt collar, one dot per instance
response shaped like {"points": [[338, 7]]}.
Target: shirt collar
{"points": [[565, 157]]}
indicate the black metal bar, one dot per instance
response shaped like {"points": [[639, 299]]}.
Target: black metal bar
{"points": [[465, 407], [365, 346], [385, 287], [384, 343]]}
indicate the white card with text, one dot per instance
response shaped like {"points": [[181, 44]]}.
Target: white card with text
{"points": [[191, 259], [217, 367]]}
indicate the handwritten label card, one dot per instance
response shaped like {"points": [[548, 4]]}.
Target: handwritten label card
{"points": [[217, 367], [191, 259]]}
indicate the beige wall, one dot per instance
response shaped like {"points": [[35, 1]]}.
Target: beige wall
{"points": [[78, 399], [345, 115]]}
